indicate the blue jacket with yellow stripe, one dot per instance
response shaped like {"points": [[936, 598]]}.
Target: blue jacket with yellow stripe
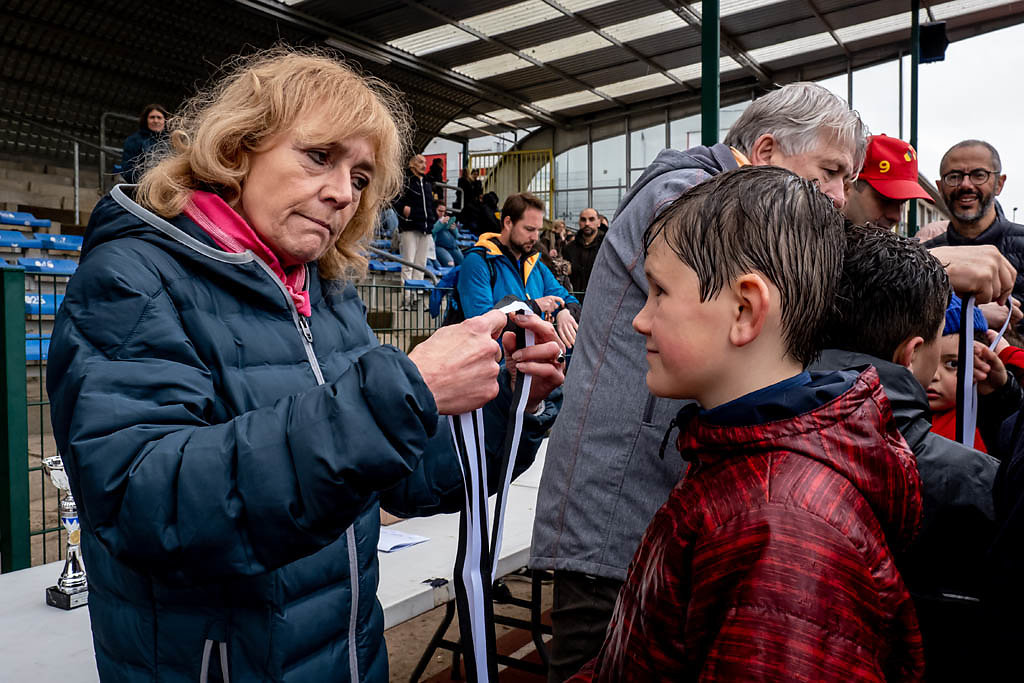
{"points": [[524, 279]]}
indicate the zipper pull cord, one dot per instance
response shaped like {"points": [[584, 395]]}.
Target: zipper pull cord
{"points": [[304, 325]]}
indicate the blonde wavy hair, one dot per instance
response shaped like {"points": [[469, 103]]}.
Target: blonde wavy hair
{"points": [[217, 130]]}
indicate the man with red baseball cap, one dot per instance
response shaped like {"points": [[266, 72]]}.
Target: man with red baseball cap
{"points": [[888, 179]]}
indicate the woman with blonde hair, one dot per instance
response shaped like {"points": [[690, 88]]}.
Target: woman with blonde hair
{"points": [[229, 423]]}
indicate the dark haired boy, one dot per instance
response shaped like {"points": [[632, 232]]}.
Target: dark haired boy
{"points": [[890, 313], [771, 559]]}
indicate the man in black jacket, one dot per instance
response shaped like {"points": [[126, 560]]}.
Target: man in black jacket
{"points": [[971, 179], [581, 250], [899, 335]]}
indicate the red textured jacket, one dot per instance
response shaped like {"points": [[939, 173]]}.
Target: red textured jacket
{"points": [[771, 559]]}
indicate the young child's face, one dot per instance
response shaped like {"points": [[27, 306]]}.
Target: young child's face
{"points": [[685, 338], [942, 390]]}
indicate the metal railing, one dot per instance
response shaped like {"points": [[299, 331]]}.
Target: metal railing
{"points": [[76, 146]]}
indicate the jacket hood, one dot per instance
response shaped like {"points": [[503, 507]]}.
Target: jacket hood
{"points": [[854, 434], [712, 160], [907, 397], [118, 216]]}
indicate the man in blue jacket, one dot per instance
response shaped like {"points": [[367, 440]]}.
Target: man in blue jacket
{"points": [[506, 263]]}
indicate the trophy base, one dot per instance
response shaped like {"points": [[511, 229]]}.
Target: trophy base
{"points": [[58, 598]]}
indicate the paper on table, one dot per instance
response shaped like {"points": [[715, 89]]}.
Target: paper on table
{"points": [[391, 540]]}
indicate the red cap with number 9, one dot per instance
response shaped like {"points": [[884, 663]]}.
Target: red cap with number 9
{"points": [[890, 167]]}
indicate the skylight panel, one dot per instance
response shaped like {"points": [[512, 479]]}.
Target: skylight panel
{"points": [[878, 27], [470, 122], [507, 115], [581, 5], [512, 17], [952, 9], [790, 48], [635, 29], [492, 66], [567, 101], [635, 85], [433, 40], [692, 72], [567, 47], [730, 7], [452, 127]]}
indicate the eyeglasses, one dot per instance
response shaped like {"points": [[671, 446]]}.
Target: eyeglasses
{"points": [[978, 176]]}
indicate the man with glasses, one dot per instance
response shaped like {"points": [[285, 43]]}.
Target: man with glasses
{"points": [[970, 180]]}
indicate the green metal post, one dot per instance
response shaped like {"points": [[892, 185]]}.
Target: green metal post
{"points": [[15, 551], [709, 86], [915, 58]]}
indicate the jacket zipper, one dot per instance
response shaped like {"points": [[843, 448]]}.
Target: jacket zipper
{"points": [[423, 196], [302, 324]]}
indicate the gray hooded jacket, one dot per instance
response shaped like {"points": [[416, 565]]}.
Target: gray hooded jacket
{"points": [[603, 480]]}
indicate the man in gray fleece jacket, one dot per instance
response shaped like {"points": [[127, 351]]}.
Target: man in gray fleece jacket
{"points": [[603, 479]]}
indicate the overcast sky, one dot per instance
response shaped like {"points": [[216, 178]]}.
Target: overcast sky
{"points": [[977, 92]]}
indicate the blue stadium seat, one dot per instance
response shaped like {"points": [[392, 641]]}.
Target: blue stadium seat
{"points": [[37, 347], [60, 242], [23, 218], [13, 239], [49, 266], [418, 284], [42, 304], [381, 244], [385, 266]]}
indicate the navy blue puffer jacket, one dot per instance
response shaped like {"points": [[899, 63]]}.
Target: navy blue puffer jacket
{"points": [[229, 458]]}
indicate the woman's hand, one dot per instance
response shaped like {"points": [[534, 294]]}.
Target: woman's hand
{"points": [[567, 327], [406, 210], [540, 360], [459, 363]]}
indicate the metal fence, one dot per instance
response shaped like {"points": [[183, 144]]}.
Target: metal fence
{"points": [[30, 531]]}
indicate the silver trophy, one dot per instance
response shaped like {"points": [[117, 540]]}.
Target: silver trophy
{"points": [[72, 589]]}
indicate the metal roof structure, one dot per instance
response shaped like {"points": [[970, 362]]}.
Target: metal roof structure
{"points": [[467, 67]]}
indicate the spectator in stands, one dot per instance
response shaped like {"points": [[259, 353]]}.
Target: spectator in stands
{"points": [[552, 243], [888, 179], [971, 177], [229, 422], [446, 234], [603, 220], [506, 264], [137, 146], [581, 251], [436, 172], [773, 559], [900, 336], [416, 216]]}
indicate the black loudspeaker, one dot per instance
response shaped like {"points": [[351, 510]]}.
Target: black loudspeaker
{"points": [[933, 42]]}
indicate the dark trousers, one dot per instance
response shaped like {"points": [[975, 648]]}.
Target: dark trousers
{"points": [[580, 611]]}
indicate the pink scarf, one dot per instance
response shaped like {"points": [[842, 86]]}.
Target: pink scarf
{"points": [[233, 234]]}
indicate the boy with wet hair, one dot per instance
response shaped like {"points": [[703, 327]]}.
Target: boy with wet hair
{"points": [[771, 559], [890, 313]]}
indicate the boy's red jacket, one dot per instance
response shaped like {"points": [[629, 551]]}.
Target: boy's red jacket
{"points": [[772, 559]]}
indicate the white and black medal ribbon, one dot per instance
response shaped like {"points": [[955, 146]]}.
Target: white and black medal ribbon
{"points": [[476, 563], [966, 389]]}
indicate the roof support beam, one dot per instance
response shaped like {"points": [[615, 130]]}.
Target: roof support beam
{"points": [[618, 43], [508, 48], [728, 42], [828, 27], [402, 59], [709, 81]]}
